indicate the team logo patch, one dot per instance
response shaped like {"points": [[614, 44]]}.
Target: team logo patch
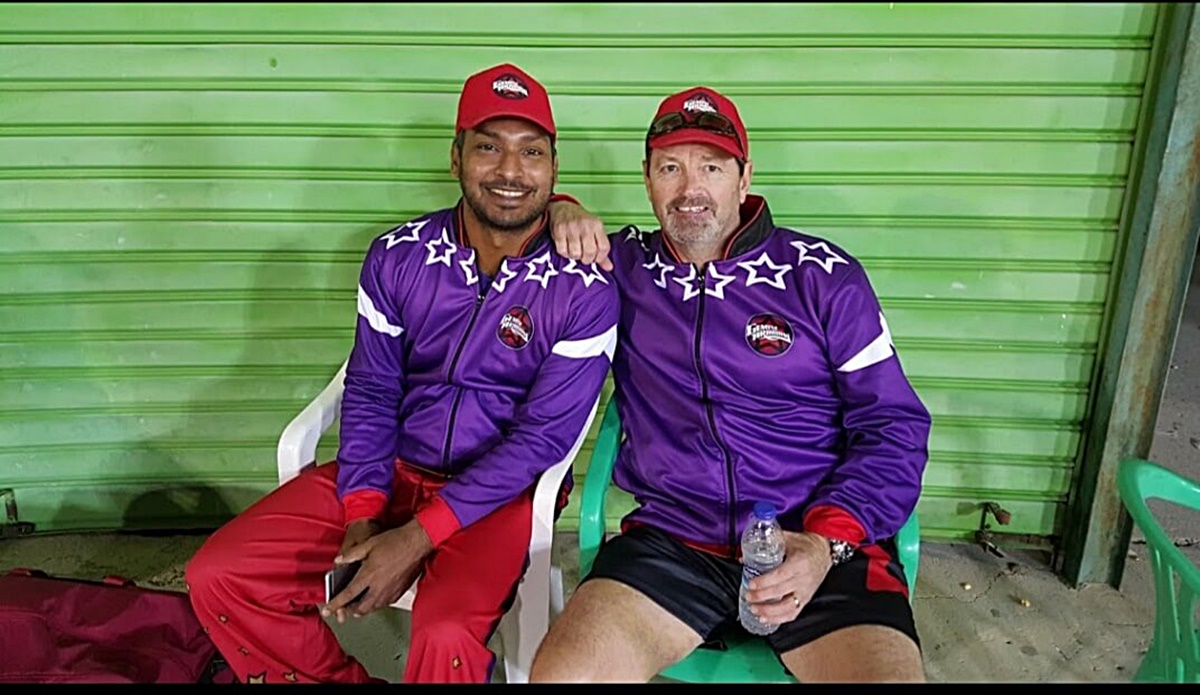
{"points": [[516, 328], [699, 103], [769, 334], [510, 86]]}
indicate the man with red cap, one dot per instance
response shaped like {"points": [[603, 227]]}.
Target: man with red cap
{"points": [[755, 366], [478, 359]]}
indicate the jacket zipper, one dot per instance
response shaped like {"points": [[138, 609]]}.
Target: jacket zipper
{"points": [[712, 424], [450, 376]]}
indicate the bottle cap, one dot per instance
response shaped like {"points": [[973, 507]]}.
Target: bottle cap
{"points": [[764, 510]]}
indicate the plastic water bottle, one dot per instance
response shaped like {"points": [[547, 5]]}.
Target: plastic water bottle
{"points": [[762, 551]]}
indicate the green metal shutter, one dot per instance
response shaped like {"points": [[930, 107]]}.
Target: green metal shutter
{"points": [[186, 192]]}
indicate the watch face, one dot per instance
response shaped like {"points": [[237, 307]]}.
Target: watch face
{"points": [[840, 551]]}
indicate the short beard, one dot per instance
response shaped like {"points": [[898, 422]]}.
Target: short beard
{"points": [[509, 226], [706, 234]]}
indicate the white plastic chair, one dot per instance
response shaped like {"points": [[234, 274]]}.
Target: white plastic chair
{"points": [[540, 594]]}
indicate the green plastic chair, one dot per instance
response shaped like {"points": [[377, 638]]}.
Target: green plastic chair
{"points": [[1174, 654], [747, 659]]}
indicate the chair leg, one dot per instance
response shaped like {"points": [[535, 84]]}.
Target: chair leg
{"points": [[522, 629], [556, 591]]}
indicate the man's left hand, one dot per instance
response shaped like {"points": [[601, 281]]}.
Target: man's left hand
{"points": [[778, 596], [391, 562]]}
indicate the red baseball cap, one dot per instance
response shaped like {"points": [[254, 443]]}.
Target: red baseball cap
{"points": [[503, 91], [708, 117]]}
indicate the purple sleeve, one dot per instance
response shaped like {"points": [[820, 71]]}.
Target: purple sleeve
{"points": [[373, 388], [554, 417], [886, 425]]}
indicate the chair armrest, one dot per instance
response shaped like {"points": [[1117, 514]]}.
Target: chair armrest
{"points": [[1139, 480], [908, 548], [595, 488], [298, 443]]}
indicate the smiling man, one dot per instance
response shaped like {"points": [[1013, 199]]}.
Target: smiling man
{"points": [[478, 359], [755, 364]]}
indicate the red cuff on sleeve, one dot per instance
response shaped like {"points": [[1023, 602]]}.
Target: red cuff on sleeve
{"points": [[364, 504], [834, 523], [438, 520], [563, 198]]}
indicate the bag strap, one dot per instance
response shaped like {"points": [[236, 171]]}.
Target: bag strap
{"points": [[110, 580], [118, 580]]}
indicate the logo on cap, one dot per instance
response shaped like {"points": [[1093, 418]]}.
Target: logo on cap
{"points": [[699, 102], [516, 328], [768, 334], [510, 86]]}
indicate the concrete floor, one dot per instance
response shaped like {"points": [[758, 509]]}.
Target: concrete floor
{"points": [[981, 634], [969, 635]]}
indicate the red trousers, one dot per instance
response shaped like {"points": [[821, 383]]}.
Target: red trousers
{"points": [[258, 582]]}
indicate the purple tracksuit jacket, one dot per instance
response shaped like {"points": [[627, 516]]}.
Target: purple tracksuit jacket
{"points": [[770, 376], [488, 383]]}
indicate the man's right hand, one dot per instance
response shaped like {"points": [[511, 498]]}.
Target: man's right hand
{"points": [[578, 234], [357, 533]]}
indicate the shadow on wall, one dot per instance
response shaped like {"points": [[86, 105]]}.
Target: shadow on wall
{"points": [[206, 483], [182, 477]]}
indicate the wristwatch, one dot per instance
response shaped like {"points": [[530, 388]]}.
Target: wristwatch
{"points": [[839, 552]]}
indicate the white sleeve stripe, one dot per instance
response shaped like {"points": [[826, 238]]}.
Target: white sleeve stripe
{"points": [[603, 344], [367, 310], [879, 350]]}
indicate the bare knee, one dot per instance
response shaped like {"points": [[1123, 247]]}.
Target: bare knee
{"points": [[555, 664], [610, 632], [861, 653]]}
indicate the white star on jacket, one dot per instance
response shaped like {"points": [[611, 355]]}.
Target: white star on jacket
{"points": [[754, 277], [549, 272], [691, 284], [468, 267], [637, 235], [826, 261], [582, 271], [664, 269], [503, 277], [443, 242], [722, 280], [415, 235]]}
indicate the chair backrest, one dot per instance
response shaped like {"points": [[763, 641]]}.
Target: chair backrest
{"points": [[1174, 654]]}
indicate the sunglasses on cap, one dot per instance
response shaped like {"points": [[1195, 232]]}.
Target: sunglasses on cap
{"points": [[705, 120]]}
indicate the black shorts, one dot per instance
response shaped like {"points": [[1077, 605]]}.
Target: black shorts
{"points": [[701, 589]]}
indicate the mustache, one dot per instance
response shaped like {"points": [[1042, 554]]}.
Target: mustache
{"points": [[692, 202], [505, 185]]}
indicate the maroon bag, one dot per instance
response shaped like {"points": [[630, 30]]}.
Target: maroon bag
{"points": [[55, 630]]}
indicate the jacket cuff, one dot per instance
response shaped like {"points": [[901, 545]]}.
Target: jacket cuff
{"points": [[835, 524], [563, 198], [364, 504], [438, 520]]}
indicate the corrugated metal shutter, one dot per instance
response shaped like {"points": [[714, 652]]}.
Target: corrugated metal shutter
{"points": [[186, 191]]}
